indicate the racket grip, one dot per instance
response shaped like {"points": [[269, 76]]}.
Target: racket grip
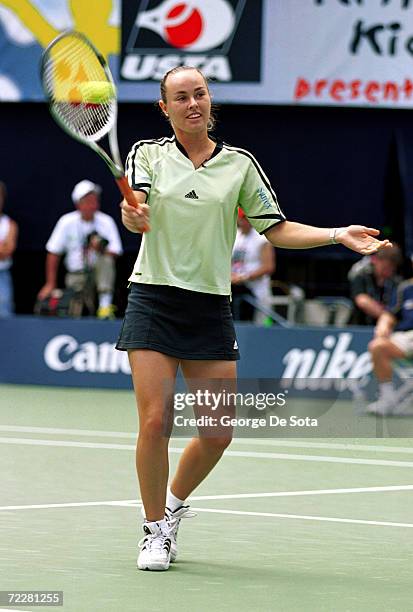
{"points": [[127, 193]]}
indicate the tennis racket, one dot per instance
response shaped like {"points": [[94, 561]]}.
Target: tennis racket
{"points": [[82, 98]]}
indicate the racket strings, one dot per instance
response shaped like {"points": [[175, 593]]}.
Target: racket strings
{"points": [[86, 119], [69, 65]]}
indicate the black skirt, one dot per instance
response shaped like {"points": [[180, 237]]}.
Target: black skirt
{"points": [[177, 322]]}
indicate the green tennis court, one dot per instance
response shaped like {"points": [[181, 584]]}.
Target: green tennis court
{"points": [[285, 525]]}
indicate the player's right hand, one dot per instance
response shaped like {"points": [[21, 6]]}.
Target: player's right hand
{"points": [[135, 220]]}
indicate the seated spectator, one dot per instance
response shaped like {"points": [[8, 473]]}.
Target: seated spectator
{"points": [[373, 281], [8, 242], [393, 339], [90, 241], [253, 262]]}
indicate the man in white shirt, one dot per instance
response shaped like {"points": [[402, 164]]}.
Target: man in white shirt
{"points": [[90, 241], [253, 262]]}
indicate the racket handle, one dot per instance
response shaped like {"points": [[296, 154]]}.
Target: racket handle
{"points": [[127, 193]]}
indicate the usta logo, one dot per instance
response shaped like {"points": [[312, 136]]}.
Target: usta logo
{"points": [[193, 25]]}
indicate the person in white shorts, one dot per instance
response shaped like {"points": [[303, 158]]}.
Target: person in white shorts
{"points": [[90, 241], [393, 339]]}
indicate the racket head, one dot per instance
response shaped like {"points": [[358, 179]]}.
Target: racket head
{"points": [[79, 87]]}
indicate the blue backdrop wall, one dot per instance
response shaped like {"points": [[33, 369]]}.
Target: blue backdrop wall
{"points": [[328, 166], [81, 353]]}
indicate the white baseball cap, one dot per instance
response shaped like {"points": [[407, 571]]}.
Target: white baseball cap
{"points": [[83, 188]]}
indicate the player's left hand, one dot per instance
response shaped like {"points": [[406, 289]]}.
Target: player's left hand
{"points": [[361, 239]]}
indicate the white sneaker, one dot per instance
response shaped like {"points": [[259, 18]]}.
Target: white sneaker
{"points": [[155, 553], [404, 406], [173, 519], [384, 406]]}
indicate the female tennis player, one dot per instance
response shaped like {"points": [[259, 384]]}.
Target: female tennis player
{"points": [[189, 188]]}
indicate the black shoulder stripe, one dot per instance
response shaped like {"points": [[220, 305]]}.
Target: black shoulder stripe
{"points": [[130, 162], [267, 216], [132, 155], [144, 187], [159, 141], [258, 169]]}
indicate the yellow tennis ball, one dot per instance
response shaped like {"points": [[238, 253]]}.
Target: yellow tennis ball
{"points": [[96, 92]]}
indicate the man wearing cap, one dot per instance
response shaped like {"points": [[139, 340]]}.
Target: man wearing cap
{"points": [[90, 241]]}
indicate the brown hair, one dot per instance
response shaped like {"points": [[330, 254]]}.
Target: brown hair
{"points": [[392, 254], [212, 118]]}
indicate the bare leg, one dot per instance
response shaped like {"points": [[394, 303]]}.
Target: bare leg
{"points": [[202, 453], [105, 272], [383, 352], [153, 377]]}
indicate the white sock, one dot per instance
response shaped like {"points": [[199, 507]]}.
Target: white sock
{"points": [[105, 300], [173, 502], [162, 524], [386, 389]]}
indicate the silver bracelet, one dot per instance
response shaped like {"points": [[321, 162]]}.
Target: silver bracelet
{"points": [[333, 234]]}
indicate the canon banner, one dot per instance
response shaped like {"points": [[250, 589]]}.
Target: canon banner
{"points": [[335, 52], [81, 353]]}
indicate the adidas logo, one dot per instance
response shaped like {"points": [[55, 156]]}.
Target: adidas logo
{"points": [[235, 345], [192, 195]]}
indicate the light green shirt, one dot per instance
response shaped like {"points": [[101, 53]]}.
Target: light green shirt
{"points": [[193, 212]]}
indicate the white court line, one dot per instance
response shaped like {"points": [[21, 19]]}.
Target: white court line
{"points": [[138, 502], [228, 453], [327, 445], [318, 458], [233, 512], [63, 431], [247, 441], [305, 517], [310, 492], [34, 442], [126, 502]]}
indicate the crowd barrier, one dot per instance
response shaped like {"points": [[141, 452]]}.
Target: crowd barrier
{"points": [[81, 353]]}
